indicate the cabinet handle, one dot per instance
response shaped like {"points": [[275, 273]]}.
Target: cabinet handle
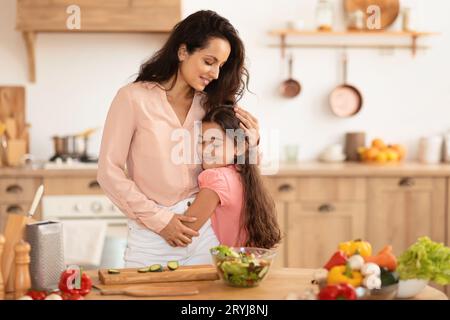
{"points": [[285, 188], [406, 182], [14, 188], [94, 185], [14, 209], [325, 208]]}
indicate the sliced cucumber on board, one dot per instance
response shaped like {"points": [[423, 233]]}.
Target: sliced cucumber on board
{"points": [[156, 268], [113, 271], [172, 265]]}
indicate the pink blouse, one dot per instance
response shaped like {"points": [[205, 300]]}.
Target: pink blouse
{"points": [[138, 132], [226, 182]]}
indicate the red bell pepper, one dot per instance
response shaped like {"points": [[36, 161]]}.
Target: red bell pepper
{"points": [[341, 291], [67, 285], [337, 259]]}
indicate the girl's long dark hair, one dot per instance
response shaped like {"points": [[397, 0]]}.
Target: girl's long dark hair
{"points": [[259, 215], [195, 31]]}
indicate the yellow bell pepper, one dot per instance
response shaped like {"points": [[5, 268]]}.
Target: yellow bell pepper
{"points": [[344, 274], [363, 248]]}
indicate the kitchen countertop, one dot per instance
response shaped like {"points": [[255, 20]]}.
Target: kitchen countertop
{"points": [[351, 169], [279, 283]]}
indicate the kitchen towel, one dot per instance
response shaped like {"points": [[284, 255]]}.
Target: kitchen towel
{"points": [[84, 241]]}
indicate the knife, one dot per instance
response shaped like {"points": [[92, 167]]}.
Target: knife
{"points": [[36, 200]]}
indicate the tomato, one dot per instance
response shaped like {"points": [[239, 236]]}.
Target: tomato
{"points": [[36, 294], [71, 296]]}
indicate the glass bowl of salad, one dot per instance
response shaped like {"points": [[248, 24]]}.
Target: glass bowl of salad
{"points": [[243, 267]]}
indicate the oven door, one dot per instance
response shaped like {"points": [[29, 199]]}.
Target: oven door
{"points": [[115, 244]]}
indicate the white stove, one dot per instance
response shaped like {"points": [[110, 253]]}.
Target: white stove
{"points": [[92, 208]]}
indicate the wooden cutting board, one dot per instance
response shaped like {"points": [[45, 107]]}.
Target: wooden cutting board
{"points": [[12, 105], [143, 290], [389, 9], [187, 273]]}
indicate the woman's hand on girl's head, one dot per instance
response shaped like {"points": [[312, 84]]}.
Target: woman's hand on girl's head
{"points": [[249, 124], [176, 233]]}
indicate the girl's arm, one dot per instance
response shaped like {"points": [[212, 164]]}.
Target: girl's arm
{"points": [[202, 208]]}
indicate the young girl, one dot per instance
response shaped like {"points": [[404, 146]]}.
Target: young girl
{"points": [[231, 208], [232, 193]]}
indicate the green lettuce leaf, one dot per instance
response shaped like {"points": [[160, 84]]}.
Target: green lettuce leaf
{"points": [[427, 260]]}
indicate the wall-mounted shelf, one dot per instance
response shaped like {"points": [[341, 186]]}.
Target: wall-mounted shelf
{"points": [[133, 16], [347, 35]]}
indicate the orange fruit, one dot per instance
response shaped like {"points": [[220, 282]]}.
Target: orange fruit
{"points": [[401, 150], [371, 153], [378, 143], [381, 157], [392, 155]]}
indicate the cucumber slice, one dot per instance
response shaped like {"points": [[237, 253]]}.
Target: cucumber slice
{"points": [[263, 272], [156, 268], [172, 265], [144, 270], [113, 271]]}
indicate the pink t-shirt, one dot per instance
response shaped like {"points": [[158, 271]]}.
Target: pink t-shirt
{"points": [[226, 220]]}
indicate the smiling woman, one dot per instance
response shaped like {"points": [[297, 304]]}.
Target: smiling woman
{"points": [[200, 48], [199, 68]]}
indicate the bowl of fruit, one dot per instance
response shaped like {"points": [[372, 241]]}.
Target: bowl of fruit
{"points": [[381, 153], [242, 266], [353, 273]]}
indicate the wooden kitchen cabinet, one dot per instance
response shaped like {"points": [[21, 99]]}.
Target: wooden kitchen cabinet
{"points": [[76, 186], [331, 189], [402, 209], [280, 259], [99, 15], [16, 196], [17, 189], [317, 213], [35, 16], [314, 230]]}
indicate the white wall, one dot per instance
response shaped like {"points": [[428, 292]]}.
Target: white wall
{"points": [[78, 75]]}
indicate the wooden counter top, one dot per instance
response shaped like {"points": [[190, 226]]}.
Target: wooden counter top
{"points": [[41, 173], [279, 284], [353, 169], [316, 169]]}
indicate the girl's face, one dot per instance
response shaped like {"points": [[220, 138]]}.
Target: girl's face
{"points": [[216, 147], [203, 66]]}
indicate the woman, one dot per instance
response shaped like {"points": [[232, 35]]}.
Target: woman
{"points": [[200, 66]]}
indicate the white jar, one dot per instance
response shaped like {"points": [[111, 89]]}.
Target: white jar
{"points": [[430, 149]]}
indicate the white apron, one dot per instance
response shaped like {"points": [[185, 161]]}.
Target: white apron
{"points": [[145, 247]]}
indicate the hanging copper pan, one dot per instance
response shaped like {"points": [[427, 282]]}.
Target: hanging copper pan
{"points": [[345, 100]]}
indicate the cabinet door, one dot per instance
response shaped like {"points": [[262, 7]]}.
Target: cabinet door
{"points": [[402, 209], [77, 186], [16, 208], [18, 189], [280, 259], [314, 230]]}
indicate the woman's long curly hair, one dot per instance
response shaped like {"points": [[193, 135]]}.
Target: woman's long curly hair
{"points": [[258, 217], [195, 31]]}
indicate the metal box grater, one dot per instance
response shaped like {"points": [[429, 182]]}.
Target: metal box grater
{"points": [[47, 254]]}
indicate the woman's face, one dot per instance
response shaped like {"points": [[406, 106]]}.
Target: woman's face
{"points": [[203, 65], [217, 149]]}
